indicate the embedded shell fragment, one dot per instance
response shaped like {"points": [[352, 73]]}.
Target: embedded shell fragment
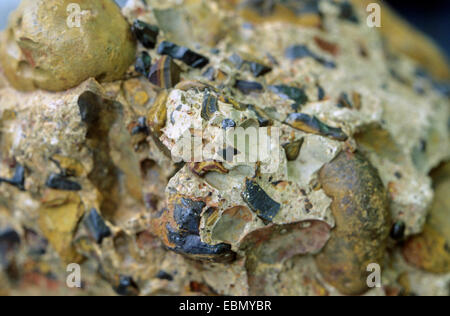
{"points": [[42, 50]]}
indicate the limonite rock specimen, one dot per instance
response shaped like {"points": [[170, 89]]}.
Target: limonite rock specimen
{"points": [[98, 125]]}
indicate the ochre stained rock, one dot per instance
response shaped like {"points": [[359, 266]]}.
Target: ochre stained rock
{"points": [[360, 208], [58, 220], [430, 250], [40, 49]]}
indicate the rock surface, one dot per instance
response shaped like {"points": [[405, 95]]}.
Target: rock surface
{"points": [[99, 165]]}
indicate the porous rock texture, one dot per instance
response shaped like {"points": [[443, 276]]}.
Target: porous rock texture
{"points": [[90, 168]]}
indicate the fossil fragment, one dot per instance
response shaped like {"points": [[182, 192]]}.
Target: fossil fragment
{"points": [[362, 216], [41, 51]]}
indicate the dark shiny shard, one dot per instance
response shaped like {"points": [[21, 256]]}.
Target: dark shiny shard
{"points": [[59, 182], [89, 105], [191, 245], [301, 51], [260, 203], [143, 64], [37, 245], [263, 119], [187, 215], [292, 149], [126, 286], [295, 94], [165, 73], [344, 101], [298, 51], [18, 180], [236, 60], [320, 93], [262, 7], [229, 153], [442, 87], [145, 33], [184, 54], [347, 12], [311, 124], [9, 242], [210, 74], [228, 123], [247, 87], [258, 69], [209, 105], [398, 230], [163, 275], [96, 226], [304, 6], [141, 127]]}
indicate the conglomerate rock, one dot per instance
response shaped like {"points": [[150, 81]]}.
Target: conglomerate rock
{"points": [[151, 182]]}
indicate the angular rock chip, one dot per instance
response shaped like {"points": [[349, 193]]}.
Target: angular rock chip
{"points": [[96, 226], [59, 182], [178, 228], [9, 243], [202, 168], [143, 64], [302, 51], [165, 73], [209, 105], [40, 51], [145, 33], [184, 54], [258, 200], [292, 149], [247, 87], [310, 124]]}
